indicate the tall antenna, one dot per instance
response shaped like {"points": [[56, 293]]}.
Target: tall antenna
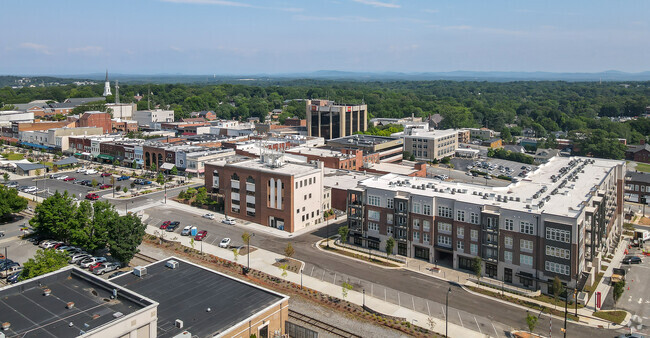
{"points": [[117, 92]]}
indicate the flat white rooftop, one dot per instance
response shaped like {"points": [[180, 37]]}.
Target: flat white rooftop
{"points": [[320, 152], [290, 169], [537, 193]]}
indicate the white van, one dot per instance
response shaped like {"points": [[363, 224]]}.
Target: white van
{"points": [[91, 171]]}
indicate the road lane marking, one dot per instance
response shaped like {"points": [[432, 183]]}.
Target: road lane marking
{"points": [[312, 271], [335, 278], [479, 326], [640, 301], [495, 330], [399, 301], [384, 294], [461, 319], [372, 289], [413, 300], [323, 275], [443, 312], [428, 310]]}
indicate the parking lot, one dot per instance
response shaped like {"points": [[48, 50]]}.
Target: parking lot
{"points": [[48, 186], [498, 166]]}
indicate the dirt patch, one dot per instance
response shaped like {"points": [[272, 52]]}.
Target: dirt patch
{"points": [[244, 250], [291, 264], [644, 221]]}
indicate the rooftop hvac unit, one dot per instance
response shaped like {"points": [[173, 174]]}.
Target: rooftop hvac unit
{"points": [[178, 323], [140, 271], [172, 264]]}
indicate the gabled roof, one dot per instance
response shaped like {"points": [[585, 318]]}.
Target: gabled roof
{"points": [[634, 149], [67, 161], [30, 166], [637, 177]]}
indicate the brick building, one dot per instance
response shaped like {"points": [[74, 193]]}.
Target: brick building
{"points": [[639, 153], [96, 119], [349, 159], [637, 186]]}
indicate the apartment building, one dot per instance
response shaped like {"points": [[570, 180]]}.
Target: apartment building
{"points": [[348, 159], [637, 187], [559, 221], [429, 145], [330, 120], [153, 118], [389, 149], [270, 191]]}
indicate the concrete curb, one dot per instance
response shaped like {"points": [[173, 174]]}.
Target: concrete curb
{"points": [[153, 192], [352, 258]]}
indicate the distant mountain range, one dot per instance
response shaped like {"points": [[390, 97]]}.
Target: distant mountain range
{"points": [[334, 75]]}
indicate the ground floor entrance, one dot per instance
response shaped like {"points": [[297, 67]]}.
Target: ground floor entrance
{"points": [[421, 253], [444, 257]]}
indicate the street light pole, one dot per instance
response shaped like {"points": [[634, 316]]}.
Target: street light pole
{"points": [[327, 227], [566, 302], [447, 312], [364, 298], [248, 253]]}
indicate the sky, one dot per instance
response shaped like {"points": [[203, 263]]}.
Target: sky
{"points": [[227, 37]]}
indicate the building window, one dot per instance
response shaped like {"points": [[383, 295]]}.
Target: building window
{"points": [[509, 225], [474, 219], [389, 203], [473, 249], [389, 218], [427, 210], [373, 200], [372, 226], [444, 212], [474, 235], [444, 227], [526, 227], [460, 232], [558, 235], [557, 268], [444, 241], [416, 224], [507, 241], [525, 260], [426, 226], [460, 246], [373, 215], [389, 231], [425, 237], [416, 208], [507, 256], [526, 245], [557, 252], [460, 215], [416, 236]]}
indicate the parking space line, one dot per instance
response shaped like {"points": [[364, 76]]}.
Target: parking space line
{"points": [[384, 294], [495, 330], [428, 310], [461, 319], [335, 278], [312, 270], [443, 311], [413, 300], [479, 326], [399, 301]]}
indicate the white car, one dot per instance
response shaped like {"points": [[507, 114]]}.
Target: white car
{"points": [[91, 171], [31, 189], [225, 243], [50, 245], [186, 231], [229, 220], [208, 216], [81, 170], [92, 261], [62, 177]]}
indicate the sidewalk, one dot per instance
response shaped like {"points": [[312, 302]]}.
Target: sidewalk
{"points": [[262, 260]]}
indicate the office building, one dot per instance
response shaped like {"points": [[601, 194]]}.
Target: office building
{"points": [[388, 149], [329, 120], [560, 221], [153, 118], [269, 191], [429, 145]]}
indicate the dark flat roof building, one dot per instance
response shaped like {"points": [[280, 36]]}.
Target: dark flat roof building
{"points": [[187, 291]]}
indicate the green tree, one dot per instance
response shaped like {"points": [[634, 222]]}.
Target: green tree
{"points": [[246, 237], [94, 233], [558, 288], [94, 183], [531, 321], [201, 196], [477, 266], [10, 202], [289, 250], [343, 232], [38, 172], [160, 179], [235, 253], [125, 237], [125, 189], [153, 167], [390, 244], [55, 217], [345, 288], [619, 288], [5, 176], [44, 261], [134, 165], [174, 171]]}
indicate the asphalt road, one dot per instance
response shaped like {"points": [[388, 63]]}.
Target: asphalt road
{"points": [[404, 287]]}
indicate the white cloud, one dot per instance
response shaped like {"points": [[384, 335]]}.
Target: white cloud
{"points": [[86, 49], [35, 47], [375, 3]]}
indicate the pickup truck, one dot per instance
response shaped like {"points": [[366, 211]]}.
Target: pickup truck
{"points": [[618, 275]]}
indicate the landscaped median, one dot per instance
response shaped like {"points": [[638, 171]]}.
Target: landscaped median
{"points": [[363, 256], [614, 316]]}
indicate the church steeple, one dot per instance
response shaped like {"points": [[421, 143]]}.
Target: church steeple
{"points": [[107, 86]]}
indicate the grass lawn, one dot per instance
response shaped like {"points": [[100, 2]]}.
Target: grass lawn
{"points": [[560, 302], [592, 288], [612, 316], [13, 156], [355, 255], [643, 167]]}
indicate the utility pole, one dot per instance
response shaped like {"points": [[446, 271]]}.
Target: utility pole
{"points": [[566, 303], [447, 313]]}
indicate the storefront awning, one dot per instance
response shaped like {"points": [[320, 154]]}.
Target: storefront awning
{"points": [[105, 157], [167, 166]]}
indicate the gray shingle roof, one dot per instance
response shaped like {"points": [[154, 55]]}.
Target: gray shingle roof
{"points": [[30, 166]]}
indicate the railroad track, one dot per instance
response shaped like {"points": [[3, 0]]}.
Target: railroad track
{"points": [[321, 325], [145, 258]]}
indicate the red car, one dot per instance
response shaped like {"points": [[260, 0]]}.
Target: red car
{"points": [[92, 196], [69, 179], [106, 174], [165, 224], [94, 266], [105, 186], [200, 235]]}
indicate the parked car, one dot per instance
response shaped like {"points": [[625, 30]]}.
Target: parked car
{"points": [[91, 172], [92, 196], [228, 220], [118, 273], [92, 267], [632, 260], [68, 179], [201, 235], [165, 224], [225, 243], [106, 174], [186, 231], [50, 245], [62, 177], [105, 267], [91, 261], [79, 257], [171, 227], [105, 186], [81, 170], [13, 278], [54, 175], [30, 189], [85, 182], [12, 185], [123, 178], [208, 216], [8, 265], [142, 182]]}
